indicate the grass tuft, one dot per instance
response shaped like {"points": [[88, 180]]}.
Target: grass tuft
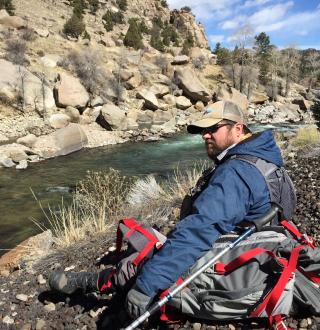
{"points": [[306, 136]]}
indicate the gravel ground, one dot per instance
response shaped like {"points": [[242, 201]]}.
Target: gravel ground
{"points": [[26, 302]]}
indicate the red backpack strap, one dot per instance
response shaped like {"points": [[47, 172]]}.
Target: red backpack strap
{"points": [[304, 239], [270, 302], [278, 323], [133, 225]]}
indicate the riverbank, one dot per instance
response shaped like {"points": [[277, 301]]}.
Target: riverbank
{"points": [[27, 304]]}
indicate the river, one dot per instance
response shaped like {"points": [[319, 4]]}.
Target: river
{"points": [[51, 180]]}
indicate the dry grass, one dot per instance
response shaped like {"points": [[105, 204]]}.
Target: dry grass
{"points": [[306, 136], [101, 199]]}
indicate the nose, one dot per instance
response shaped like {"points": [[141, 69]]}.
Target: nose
{"points": [[206, 136]]}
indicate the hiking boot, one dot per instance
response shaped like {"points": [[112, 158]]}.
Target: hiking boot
{"points": [[68, 283]]}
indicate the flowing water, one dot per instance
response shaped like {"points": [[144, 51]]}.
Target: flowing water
{"points": [[52, 179]]}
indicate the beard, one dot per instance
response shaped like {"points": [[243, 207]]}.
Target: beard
{"points": [[212, 150]]}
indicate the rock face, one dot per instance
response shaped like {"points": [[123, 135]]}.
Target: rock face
{"points": [[15, 80], [234, 96], [114, 116], [69, 91], [191, 85]]}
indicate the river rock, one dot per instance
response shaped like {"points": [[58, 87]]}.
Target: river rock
{"points": [[50, 307], [8, 320], [145, 117], [69, 91], [183, 103], [28, 140], [41, 280], [191, 85], [69, 139], [59, 120], [114, 116], [180, 59], [199, 106], [6, 161], [22, 297], [97, 101], [132, 124], [232, 95], [23, 164], [150, 99], [170, 99]]}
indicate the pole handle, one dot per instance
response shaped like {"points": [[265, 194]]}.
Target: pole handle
{"points": [[261, 222]]}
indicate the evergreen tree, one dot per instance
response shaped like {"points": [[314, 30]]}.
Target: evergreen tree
{"points": [[156, 41], [133, 37], [223, 56], [217, 48], [187, 44], [263, 50], [8, 6], [74, 27]]}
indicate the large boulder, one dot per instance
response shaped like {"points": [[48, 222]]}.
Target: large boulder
{"points": [[291, 112], [16, 80], [134, 81], [12, 22], [169, 99], [191, 85], [114, 116], [50, 60], [28, 140], [183, 103], [233, 95], [69, 139], [159, 90], [303, 104], [69, 91], [258, 97], [145, 118], [150, 100], [161, 117], [180, 60], [59, 120]]}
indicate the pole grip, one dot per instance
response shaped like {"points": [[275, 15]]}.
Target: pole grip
{"points": [[274, 210]]}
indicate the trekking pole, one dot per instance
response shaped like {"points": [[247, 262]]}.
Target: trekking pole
{"points": [[256, 226]]}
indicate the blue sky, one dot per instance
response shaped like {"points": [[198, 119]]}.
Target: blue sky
{"points": [[287, 22]]}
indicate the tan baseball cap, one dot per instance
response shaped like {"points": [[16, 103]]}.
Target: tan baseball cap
{"points": [[216, 112]]}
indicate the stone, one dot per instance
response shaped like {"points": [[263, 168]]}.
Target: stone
{"points": [[150, 99], [41, 280], [258, 97], [17, 154], [134, 82], [44, 33], [159, 90], [23, 164], [50, 60], [50, 307], [28, 140], [69, 91], [233, 95], [180, 59], [125, 74], [22, 297], [72, 113], [303, 104], [3, 14], [169, 99], [8, 320], [114, 116], [145, 117], [161, 117], [199, 106], [13, 22], [3, 138], [191, 85], [97, 101], [70, 139], [132, 124], [162, 79], [40, 325], [59, 120], [196, 326], [92, 113], [33, 89], [6, 161], [183, 103], [303, 323]]}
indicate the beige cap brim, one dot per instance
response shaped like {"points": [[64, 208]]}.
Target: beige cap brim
{"points": [[198, 126]]}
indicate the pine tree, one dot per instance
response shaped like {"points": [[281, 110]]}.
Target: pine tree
{"points": [[8, 6], [263, 50], [133, 37]]}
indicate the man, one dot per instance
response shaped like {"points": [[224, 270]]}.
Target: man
{"points": [[226, 195]]}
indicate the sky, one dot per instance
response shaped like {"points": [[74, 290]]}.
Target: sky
{"points": [[287, 22]]}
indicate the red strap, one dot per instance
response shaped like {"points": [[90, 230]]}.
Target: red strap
{"points": [[273, 297], [315, 278], [134, 226], [108, 284], [166, 316], [222, 268], [299, 236], [278, 322]]}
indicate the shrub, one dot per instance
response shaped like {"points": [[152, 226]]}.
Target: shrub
{"points": [[157, 21], [78, 7], [122, 4], [306, 136], [199, 62], [133, 37], [8, 6], [74, 27], [186, 8], [169, 34], [16, 51], [164, 3], [93, 6], [187, 44], [107, 21], [156, 41], [28, 34]]}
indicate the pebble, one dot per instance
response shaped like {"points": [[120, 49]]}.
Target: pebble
{"points": [[50, 307], [41, 280], [69, 268], [40, 324], [303, 323], [8, 320], [22, 297], [196, 326], [112, 249]]}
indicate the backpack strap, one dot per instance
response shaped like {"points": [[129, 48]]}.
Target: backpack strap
{"points": [[134, 226]]}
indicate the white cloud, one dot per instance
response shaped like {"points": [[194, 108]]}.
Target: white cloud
{"points": [[254, 3], [232, 24], [216, 38]]}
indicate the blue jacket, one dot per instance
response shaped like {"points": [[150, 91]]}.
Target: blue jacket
{"points": [[237, 191]]}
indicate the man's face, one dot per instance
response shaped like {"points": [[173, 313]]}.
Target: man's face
{"points": [[219, 138]]}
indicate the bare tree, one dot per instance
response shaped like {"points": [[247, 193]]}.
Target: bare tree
{"points": [[272, 88], [313, 60], [21, 88]]}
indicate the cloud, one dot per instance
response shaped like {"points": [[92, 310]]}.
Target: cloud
{"points": [[254, 3], [216, 38]]}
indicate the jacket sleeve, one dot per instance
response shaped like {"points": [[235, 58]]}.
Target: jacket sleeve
{"points": [[223, 204]]}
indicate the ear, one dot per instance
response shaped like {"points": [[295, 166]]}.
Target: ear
{"points": [[239, 130]]}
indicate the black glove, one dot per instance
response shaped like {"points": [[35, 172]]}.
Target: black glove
{"points": [[137, 302]]}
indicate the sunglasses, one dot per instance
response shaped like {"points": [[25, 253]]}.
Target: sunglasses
{"points": [[213, 129]]}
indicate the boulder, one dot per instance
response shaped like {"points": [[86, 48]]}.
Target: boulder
{"points": [[180, 59], [92, 113], [114, 116], [133, 82], [145, 117], [69, 139], [183, 103], [191, 85], [132, 124], [150, 99], [69, 91], [199, 106], [59, 120], [28, 140], [126, 75], [257, 97], [170, 99], [291, 112], [73, 114], [23, 164], [159, 90], [161, 117], [11, 79], [13, 22], [234, 96], [50, 60], [3, 14], [162, 79], [97, 101], [6, 161], [303, 104], [44, 33]]}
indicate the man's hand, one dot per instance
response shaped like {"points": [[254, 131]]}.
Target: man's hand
{"points": [[137, 302]]}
